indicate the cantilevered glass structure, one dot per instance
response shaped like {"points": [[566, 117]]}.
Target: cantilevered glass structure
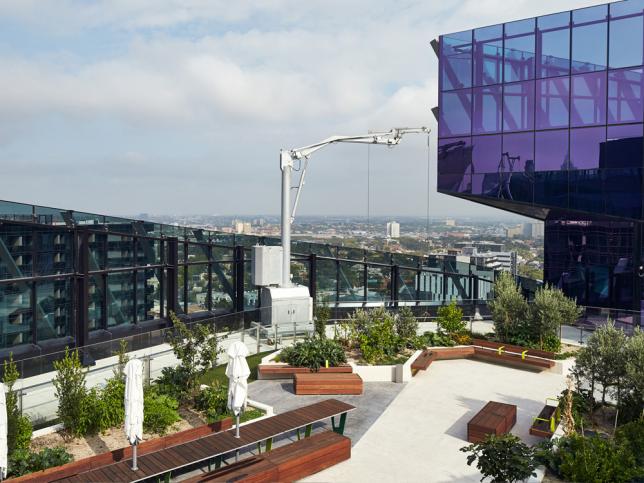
{"points": [[543, 117], [69, 278]]}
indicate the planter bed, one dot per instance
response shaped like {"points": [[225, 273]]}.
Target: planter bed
{"points": [[540, 428], [285, 371]]}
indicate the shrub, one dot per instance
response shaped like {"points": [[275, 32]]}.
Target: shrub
{"points": [[438, 340], [322, 316], [172, 382], [19, 428], [462, 339], [196, 348], [213, 401], [509, 306], [313, 353], [159, 412], [22, 461], [378, 340], [113, 401], [406, 324], [504, 459], [580, 406], [632, 436], [71, 392], [450, 320]]}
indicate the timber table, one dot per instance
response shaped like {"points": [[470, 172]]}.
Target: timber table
{"points": [[495, 418]]}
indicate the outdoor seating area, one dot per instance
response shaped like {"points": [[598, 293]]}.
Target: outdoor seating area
{"points": [[323, 383], [494, 419]]}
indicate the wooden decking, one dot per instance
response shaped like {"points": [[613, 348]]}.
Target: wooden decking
{"points": [[213, 446]]}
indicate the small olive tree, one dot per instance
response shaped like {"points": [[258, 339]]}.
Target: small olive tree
{"points": [[509, 307], [71, 392], [406, 324], [322, 315], [550, 310], [450, 320]]}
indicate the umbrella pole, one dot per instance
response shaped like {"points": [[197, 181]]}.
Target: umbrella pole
{"points": [[237, 430], [134, 466]]}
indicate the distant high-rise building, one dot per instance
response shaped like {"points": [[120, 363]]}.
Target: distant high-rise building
{"points": [[533, 230], [514, 231], [393, 229], [450, 222]]}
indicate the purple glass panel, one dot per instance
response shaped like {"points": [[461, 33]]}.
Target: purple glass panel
{"points": [[454, 155], [518, 106], [486, 113], [488, 55], [623, 147], [589, 39], [553, 100], [625, 96], [486, 154], [455, 109], [519, 51], [518, 153], [626, 42], [486, 185], [454, 183], [588, 107], [551, 150], [585, 147], [553, 45], [456, 60]]}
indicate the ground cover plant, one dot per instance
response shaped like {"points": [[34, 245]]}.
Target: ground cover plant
{"points": [[314, 353]]}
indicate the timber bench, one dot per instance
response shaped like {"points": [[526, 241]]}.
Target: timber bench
{"points": [[513, 348], [519, 360], [423, 361], [291, 462], [210, 449], [495, 418], [321, 383], [285, 371]]}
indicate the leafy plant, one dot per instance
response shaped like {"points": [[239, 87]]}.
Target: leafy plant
{"points": [[406, 324], [321, 317], [438, 340], [159, 412], [213, 401], [22, 461], [450, 320], [123, 358], [509, 306], [113, 403], [378, 339], [71, 392], [313, 353], [19, 428], [503, 459], [632, 436], [196, 348]]}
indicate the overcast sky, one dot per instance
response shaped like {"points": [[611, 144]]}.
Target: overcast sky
{"points": [[182, 106]]}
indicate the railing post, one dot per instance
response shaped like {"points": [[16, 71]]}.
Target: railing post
{"points": [[258, 342]]}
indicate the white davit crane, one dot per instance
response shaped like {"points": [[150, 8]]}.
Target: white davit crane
{"points": [[287, 157]]}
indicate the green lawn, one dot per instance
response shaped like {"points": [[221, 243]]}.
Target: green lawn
{"points": [[219, 373]]}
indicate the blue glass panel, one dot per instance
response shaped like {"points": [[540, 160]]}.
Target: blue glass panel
{"points": [[628, 8], [456, 60], [488, 55], [588, 105], [454, 155], [486, 154], [486, 115], [455, 112], [625, 96], [626, 42], [553, 45], [589, 39], [519, 51], [553, 100], [585, 147], [518, 106], [551, 150]]}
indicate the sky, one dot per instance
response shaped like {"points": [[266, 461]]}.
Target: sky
{"points": [[182, 106]]}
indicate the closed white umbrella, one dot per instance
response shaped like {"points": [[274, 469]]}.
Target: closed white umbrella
{"points": [[237, 372], [3, 433], [134, 405]]}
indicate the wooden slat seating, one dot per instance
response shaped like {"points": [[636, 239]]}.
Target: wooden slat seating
{"points": [[428, 356], [495, 418], [513, 348], [209, 449], [535, 363], [321, 383], [423, 361], [285, 371], [291, 462]]}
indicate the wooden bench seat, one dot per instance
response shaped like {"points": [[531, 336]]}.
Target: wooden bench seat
{"points": [[423, 361], [285, 371], [321, 383], [534, 363], [291, 462], [449, 353], [495, 418], [513, 348]]}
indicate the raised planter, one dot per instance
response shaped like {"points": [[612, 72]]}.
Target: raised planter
{"points": [[104, 459], [285, 371]]}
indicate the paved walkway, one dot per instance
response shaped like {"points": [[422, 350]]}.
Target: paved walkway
{"points": [[417, 438]]}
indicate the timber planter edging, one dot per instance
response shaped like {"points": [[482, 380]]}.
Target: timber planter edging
{"points": [[286, 371]]}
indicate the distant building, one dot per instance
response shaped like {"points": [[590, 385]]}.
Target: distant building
{"points": [[450, 222], [506, 261], [242, 227], [533, 230], [514, 231], [481, 246], [393, 229]]}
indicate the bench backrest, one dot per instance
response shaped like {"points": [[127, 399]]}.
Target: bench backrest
{"points": [[513, 348]]}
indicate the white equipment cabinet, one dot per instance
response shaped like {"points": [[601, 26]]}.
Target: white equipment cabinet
{"points": [[288, 308], [267, 265]]}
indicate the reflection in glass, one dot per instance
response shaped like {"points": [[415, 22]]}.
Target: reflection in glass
{"points": [[625, 96], [551, 150], [15, 314], [454, 155], [486, 110], [518, 106], [626, 34], [351, 282], [488, 55], [553, 45], [585, 147], [589, 39], [486, 154], [519, 52], [53, 309], [454, 183], [588, 105], [378, 283], [455, 112], [623, 147], [456, 60], [553, 100]]}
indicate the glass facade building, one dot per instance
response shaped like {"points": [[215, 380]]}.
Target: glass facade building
{"points": [[73, 278], [544, 117]]}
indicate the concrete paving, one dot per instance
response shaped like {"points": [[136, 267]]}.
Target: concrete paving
{"points": [[418, 436]]}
